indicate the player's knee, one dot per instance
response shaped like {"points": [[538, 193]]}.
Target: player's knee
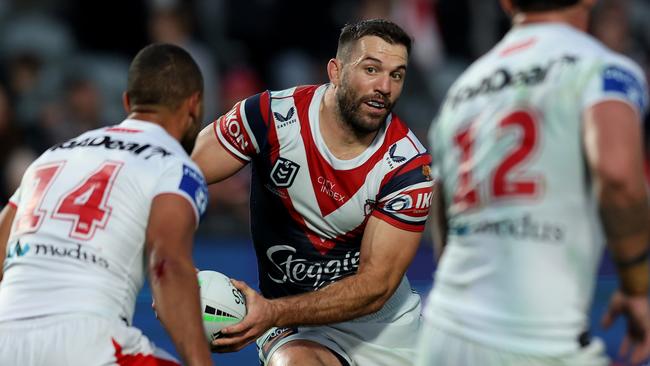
{"points": [[303, 353]]}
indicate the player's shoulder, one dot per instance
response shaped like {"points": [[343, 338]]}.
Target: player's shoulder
{"points": [[262, 103], [401, 145], [300, 91], [616, 65], [613, 74]]}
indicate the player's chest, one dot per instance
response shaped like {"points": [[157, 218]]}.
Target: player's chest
{"points": [[305, 181]]}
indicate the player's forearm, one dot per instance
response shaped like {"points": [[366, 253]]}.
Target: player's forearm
{"points": [[347, 299], [625, 216], [6, 220], [439, 219], [176, 294]]}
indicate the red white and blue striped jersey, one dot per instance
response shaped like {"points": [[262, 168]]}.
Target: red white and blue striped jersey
{"points": [[308, 208]]}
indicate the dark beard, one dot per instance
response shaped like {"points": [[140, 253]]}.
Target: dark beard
{"points": [[349, 104], [189, 139], [188, 144]]}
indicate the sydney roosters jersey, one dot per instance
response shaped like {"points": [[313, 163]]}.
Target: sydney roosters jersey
{"points": [[308, 208]]}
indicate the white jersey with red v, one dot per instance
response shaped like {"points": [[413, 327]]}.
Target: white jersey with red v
{"points": [[308, 208]]}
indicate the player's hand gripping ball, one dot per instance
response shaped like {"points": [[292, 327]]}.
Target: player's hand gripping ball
{"points": [[222, 304]]}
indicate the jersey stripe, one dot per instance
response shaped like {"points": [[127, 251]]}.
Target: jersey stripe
{"points": [[255, 124], [408, 226]]}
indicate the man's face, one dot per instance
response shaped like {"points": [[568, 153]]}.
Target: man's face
{"points": [[372, 78]]}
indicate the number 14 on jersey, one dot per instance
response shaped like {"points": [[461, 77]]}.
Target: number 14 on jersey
{"points": [[85, 205]]}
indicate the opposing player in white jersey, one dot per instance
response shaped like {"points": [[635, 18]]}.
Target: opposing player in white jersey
{"points": [[340, 193], [92, 214], [538, 153]]}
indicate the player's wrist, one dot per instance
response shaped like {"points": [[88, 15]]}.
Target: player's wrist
{"points": [[275, 313]]}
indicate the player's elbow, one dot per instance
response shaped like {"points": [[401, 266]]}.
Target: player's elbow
{"points": [[619, 185], [378, 297]]}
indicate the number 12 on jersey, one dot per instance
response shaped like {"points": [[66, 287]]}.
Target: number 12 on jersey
{"points": [[507, 179], [85, 205]]}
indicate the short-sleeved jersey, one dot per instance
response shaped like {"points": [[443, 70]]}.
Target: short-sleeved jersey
{"points": [[77, 241], [524, 237], [308, 208]]}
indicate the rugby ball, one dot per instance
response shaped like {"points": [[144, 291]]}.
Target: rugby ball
{"points": [[222, 304]]}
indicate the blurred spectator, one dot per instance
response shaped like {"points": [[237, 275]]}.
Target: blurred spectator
{"points": [[239, 83], [171, 22], [8, 141], [65, 59], [80, 111], [18, 161], [115, 26], [228, 208]]}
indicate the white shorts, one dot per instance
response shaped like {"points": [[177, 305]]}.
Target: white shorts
{"points": [[83, 340], [437, 347], [376, 340]]}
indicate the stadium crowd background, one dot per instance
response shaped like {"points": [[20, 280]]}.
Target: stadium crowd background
{"points": [[63, 63]]}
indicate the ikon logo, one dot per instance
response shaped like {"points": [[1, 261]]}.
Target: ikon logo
{"points": [[284, 172]]}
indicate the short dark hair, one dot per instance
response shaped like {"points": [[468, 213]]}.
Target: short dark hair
{"points": [[385, 29], [163, 75], [542, 5]]}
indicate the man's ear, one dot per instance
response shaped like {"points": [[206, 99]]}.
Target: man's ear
{"points": [[126, 103], [334, 69]]}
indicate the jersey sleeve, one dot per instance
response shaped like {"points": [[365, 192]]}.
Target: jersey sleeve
{"points": [[243, 130], [14, 200], [434, 148], [404, 199], [617, 78], [187, 181]]}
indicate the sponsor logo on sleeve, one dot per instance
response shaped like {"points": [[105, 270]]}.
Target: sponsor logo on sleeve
{"points": [[414, 202], [194, 185], [401, 202], [619, 80], [233, 129]]}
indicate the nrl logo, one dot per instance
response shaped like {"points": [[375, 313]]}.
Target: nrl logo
{"points": [[284, 173]]}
